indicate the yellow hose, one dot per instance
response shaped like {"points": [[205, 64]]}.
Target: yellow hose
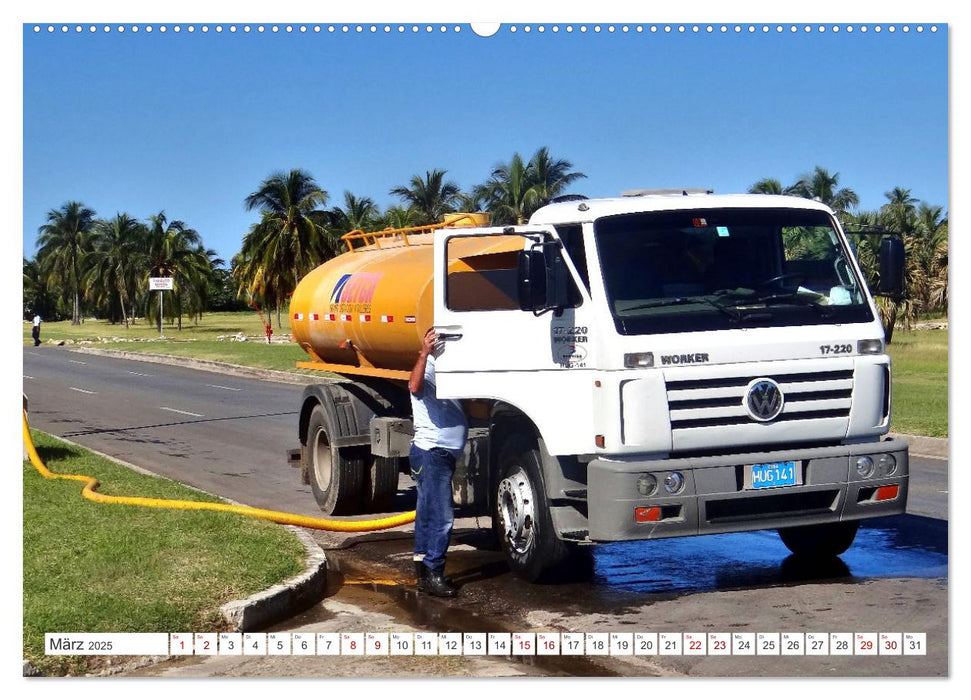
{"points": [[91, 486]]}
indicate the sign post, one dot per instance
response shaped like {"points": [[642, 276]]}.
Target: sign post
{"points": [[161, 284]]}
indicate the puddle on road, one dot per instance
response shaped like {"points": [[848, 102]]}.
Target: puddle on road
{"points": [[399, 599], [900, 547]]}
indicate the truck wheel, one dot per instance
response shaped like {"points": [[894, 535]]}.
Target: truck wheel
{"points": [[520, 513], [820, 541], [381, 483], [336, 473]]}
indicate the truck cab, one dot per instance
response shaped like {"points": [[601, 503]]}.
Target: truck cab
{"points": [[664, 365]]}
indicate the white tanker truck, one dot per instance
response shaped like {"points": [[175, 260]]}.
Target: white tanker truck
{"points": [[656, 365]]}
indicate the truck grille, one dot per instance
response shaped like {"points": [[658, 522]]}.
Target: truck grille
{"points": [[719, 402]]}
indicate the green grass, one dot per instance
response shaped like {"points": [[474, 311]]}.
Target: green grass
{"points": [[920, 390], [92, 567], [209, 327]]}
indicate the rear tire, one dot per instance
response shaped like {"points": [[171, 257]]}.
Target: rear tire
{"points": [[336, 474], [520, 512], [820, 541], [381, 483]]}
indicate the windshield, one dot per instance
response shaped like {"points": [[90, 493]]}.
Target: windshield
{"points": [[710, 269]]}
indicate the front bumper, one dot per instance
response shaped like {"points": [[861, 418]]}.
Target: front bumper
{"points": [[715, 500]]}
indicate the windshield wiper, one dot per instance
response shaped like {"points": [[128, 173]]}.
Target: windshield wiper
{"points": [[678, 301], [791, 298]]}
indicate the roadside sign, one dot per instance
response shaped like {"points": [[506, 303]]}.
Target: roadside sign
{"points": [[160, 283]]}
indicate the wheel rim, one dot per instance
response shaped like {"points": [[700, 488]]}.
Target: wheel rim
{"points": [[516, 511], [322, 460]]}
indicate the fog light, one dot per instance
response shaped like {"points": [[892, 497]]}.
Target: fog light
{"points": [[864, 467], [674, 482], [646, 485], [888, 465]]}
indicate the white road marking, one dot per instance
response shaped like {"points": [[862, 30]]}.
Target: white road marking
{"points": [[83, 391], [184, 413], [139, 374], [227, 388], [27, 377], [77, 362]]}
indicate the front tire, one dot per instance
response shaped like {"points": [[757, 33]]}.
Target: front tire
{"points": [[520, 512], [820, 541], [336, 474]]}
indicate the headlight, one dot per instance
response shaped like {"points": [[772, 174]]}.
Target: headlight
{"points": [[887, 464], [674, 482], [646, 485], [864, 467]]}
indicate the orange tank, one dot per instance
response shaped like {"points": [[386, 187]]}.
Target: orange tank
{"points": [[366, 311]]}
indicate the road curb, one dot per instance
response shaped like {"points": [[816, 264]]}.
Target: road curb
{"points": [[282, 600], [209, 365], [921, 446]]}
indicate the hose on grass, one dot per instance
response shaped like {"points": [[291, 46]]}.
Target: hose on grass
{"points": [[90, 491]]}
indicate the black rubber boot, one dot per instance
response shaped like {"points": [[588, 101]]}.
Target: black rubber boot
{"points": [[437, 585], [421, 575]]}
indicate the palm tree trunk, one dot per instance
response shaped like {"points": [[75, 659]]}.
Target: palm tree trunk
{"points": [[121, 298]]}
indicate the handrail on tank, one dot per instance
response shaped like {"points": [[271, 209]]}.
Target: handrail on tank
{"points": [[372, 237]]}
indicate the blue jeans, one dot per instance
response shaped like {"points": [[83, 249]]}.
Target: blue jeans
{"points": [[432, 471]]}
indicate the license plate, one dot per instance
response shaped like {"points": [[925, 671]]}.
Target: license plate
{"points": [[772, 474]]}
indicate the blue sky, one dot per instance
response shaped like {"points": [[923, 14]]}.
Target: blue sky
{"points": [[190, 123]]}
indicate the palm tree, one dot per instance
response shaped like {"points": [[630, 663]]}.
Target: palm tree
{"points": [[933, 227], [510, 192], [399, 217], [63, 242], [358, 213], [289, 240], [824, 187], [37, 297], [431, 197], [112, 266], [517, 189], [174, 250], [550, 177], [768, 185]]}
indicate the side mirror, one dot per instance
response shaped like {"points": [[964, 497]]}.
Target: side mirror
{"points": [[543, 282], [892, 263], [532, 279]]}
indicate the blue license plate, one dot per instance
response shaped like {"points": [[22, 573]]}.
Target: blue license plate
{"points": [[772, 474]]}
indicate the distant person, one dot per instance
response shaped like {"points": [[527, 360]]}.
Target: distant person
{"points": [[36, 331], [440, 433]]}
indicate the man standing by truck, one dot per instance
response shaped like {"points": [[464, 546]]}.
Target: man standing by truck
{"points": [[440, 433]]}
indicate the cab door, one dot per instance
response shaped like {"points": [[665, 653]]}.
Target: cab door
{"points": [[487, 338]]}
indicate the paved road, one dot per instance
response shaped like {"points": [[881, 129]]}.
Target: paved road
{"points": [[228, 435], [224, 434]]}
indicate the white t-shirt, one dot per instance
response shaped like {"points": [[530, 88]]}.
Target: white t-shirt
{"points": [[437, 422]]}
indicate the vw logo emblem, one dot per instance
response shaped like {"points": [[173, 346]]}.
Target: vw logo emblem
{"points": [[763, 400]]}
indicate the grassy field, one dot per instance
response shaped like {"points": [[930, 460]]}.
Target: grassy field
{"points": [[920, 389], [92, 567], [919, 357]]}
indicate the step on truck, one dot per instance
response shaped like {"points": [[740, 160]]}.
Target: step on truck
{"points": [[655, 365]]}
